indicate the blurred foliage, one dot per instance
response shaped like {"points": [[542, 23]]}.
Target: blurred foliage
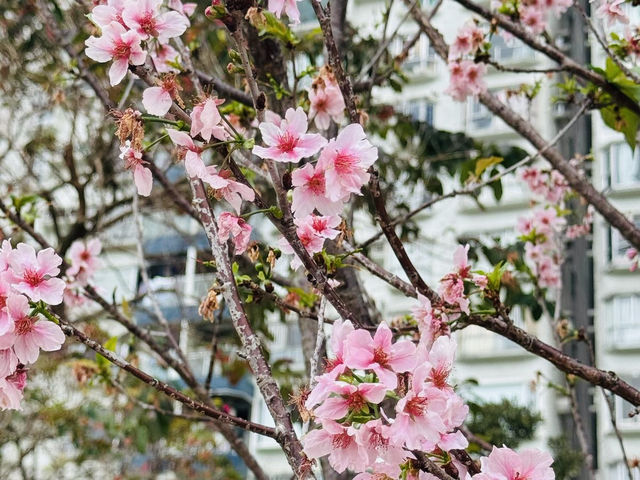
{"points": [[502, 423], [567, 461]]}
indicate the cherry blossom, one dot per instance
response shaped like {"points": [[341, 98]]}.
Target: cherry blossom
{"points": [[162, 56], [11, 389], [339, 443], [326, 101], [349, 397], [505, 464], [466, 78], [29, 335], [240, 231], [290, 7], [142, 176], [186, 9], [379, 354], [225, 187], [206, 120], [117, 44], [468, 40], [103, 15], [35, 276], [84, 259], [8, 362], [144, 17], [288, 141], [310, 193], [312, 232], [193, 163], [612, 12], [345, 161]]}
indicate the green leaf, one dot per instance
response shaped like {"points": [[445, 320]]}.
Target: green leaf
{"points": [[110, 344], [622, 120], [495, 277], [483, 163]]}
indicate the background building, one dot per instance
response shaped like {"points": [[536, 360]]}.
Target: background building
{"points": [[600, 296]]}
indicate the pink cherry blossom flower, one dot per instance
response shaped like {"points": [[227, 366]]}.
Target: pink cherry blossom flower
{"points": [[309, 237], [29, 334], [142, 176], [505, 464], [430, 322], [309, 192], [206, 120], [466, 78], [612, 12], [440, 360], [158, 100], [327, 104], [8, 362], [419, 413], [468, 40], [339, 443], [240, 231], [35, 276], [103, 15], [5, 252], [345, 161], [322, 226], [6, 322], [288, 141], [533, 18], [117, 44], [144, 17], [547, 221], [350, 398], [11, 389], [340, 332], [381, 446], [84, 259], [290, 7], [186, 9], [379, 354], [232, 191], [193, 163], [162, 56]]}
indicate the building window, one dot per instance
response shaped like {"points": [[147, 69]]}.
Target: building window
{"points": [[512, 50], [624, 408], [420, 110], [622, 166], [518, 393], [480, 117], [618, 246], [623, 314], [618, 471], [420, 58]]}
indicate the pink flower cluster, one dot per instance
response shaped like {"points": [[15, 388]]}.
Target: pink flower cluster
{"points": [[542, 232], [84, 262], [421, 409], [533, 13], [466, 78], [341, 170], [612, 12], [326, 100], [545, 229], [356, 431], [548, 185], [290, 7], [126, 24], [452, 285], [25, 276]]}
